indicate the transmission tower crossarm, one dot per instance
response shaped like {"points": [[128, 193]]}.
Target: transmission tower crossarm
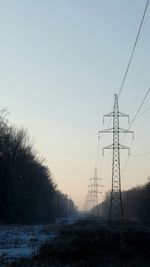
{"points": [[95, 191], [119, 114], [119, 130], [96, 179], [113, 114], [119, 147], [106, 131], [123, 147], [110, 114], [113, 146]]}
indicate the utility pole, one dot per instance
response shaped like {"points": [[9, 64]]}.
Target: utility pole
{"points": [[116, 213]]}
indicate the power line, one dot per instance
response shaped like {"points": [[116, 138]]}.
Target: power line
{"points": [[142, 154], [146, 110], [124, 78], [99, 145], [134, 118], [142, 136], [136, 114], [127, 160], [132, 53], [133, 50]]}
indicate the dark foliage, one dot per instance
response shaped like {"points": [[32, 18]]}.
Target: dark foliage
{"points": [[93, 245], [136, 204], [27, 191]]}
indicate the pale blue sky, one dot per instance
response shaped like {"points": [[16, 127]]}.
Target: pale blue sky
{"points": [[61, 61]]}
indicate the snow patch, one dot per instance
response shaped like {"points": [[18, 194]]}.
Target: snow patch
{"points": [[22, 241]]}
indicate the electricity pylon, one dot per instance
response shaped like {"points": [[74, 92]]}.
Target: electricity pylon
{"points": [[90, 201], [94, 193], [116, 213], [91, 198]]}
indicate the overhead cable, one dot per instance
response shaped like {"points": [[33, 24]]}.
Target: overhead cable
{"points": [[133, 50], [136, 114]]}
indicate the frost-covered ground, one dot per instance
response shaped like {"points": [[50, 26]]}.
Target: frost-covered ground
{"points": [[22, 241]]}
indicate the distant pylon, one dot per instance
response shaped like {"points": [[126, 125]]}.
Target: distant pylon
{"points": [[94, 192], [116, 213], [87, 204]]}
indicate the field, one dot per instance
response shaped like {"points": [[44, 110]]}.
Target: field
{"points": [[93, 245], [18, 242]]}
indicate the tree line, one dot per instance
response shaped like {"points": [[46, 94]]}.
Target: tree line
{"points": [[136, 204], [28, 193]]}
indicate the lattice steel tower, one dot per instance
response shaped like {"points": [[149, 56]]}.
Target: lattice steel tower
{"points": [[95, 192], [116, 213]]}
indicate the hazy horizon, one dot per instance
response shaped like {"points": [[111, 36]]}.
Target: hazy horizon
{"points": [[61, 63]]}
